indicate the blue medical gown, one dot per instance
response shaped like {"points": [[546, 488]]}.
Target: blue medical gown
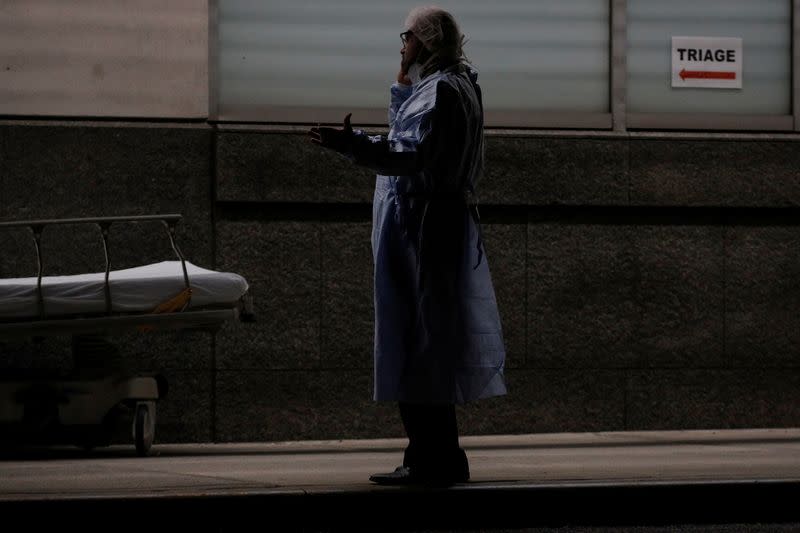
{"points": [[438, 336]]}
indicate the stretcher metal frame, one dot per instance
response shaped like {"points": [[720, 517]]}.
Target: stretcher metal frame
{"points": [[85, 403]]}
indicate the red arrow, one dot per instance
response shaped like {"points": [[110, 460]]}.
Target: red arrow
{"points": [[707, 75]]}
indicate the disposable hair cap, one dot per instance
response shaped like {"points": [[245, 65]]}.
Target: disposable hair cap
{"points": [[437, 30]]}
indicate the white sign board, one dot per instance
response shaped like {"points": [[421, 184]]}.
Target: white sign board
{"points": [[707, 62]]}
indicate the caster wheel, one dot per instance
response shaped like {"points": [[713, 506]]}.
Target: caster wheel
{"points": [[144, 427]]}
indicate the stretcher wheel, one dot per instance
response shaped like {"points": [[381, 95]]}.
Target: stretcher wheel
{"points": [[144, 427]]}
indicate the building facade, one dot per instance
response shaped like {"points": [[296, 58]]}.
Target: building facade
{"points": [[640, 202]]}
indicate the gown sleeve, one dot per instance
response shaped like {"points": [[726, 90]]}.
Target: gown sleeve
{"points": [[435, 154]]}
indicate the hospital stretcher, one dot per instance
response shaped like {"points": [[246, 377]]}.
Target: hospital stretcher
{"points": [[92, 308]]}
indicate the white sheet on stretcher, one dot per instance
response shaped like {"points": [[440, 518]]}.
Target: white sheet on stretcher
{"points": [[139, 289]]}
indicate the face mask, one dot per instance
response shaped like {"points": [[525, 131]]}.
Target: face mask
{"points": [[414, 73]]}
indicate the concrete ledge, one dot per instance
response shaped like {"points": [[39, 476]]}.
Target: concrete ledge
{"points": [[484, 508]]}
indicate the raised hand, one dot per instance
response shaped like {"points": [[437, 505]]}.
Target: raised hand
{"points": [[402, 78], [339, 139]]}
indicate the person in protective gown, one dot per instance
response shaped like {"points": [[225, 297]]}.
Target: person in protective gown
{"points": [[438, 336]]}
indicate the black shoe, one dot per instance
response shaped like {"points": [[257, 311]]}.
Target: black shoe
{"points": [[400, 476], [403, 475]]}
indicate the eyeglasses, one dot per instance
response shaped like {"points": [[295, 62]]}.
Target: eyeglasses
{"points": [[405, 35]]}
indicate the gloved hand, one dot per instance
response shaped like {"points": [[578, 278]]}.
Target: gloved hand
{"points": [[340, 140]]}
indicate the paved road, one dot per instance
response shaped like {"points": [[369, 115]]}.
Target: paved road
{"points": [[631, 479]]}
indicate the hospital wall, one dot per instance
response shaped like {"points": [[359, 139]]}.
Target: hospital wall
{"points": [[645, 280]]}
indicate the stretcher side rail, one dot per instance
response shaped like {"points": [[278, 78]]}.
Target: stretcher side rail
{"points": [[104, 224]]}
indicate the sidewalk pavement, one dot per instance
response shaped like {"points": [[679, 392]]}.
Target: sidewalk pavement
{"points": [[543, 480]]}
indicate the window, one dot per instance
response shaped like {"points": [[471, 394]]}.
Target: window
{"points": [[94, 58], [543, 63], [763, 27]]}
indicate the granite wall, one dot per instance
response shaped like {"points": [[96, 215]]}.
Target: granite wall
{"points": [[645, 280]]}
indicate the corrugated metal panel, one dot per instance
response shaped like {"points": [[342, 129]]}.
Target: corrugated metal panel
{"points": [[547, 55], [115, 58]]}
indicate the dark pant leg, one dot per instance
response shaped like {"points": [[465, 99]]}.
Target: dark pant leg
{"points": [[433, 447]]}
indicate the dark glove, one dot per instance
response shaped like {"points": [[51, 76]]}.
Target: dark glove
{"points": [[340, 140]]}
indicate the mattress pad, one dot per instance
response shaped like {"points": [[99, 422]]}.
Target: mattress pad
{"points": [[134, 290]]}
